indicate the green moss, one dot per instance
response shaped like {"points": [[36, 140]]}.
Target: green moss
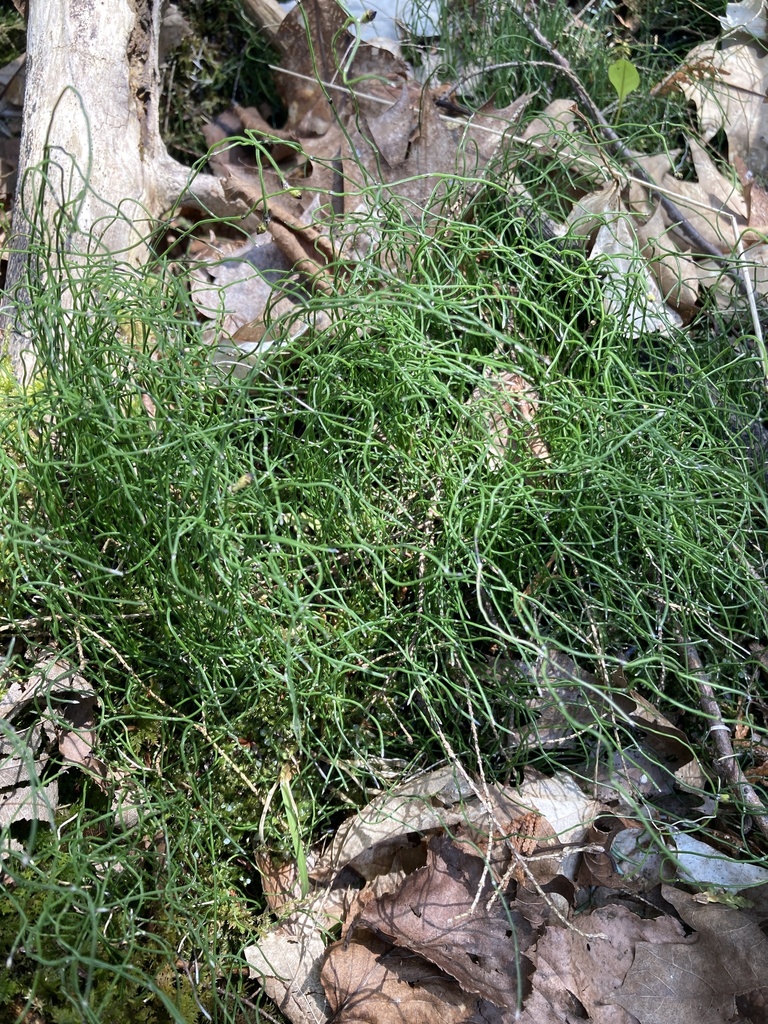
{"points": [[223, 61]]}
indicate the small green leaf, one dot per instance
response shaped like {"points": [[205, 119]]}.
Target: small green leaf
{"points": [[624, 78]]}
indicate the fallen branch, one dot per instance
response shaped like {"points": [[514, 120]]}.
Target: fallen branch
{"points": [[94, 173], [726, 765]]}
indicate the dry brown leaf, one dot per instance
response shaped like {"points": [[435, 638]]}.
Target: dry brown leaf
{"points": [[318, 53], [591, 964], [588, 213], [431, 152], [77, 737], [438, 799], [240, 282], [435, 913], [718, 191], [488, 126], [656, 167], [30, 803], [370, 982], [394, 128], [676, 272], [698, 979], [561, 131], [280, 881], [711, 205], [287, 962], [54, 705], [728, 87], [717, 224], [630, 290]]}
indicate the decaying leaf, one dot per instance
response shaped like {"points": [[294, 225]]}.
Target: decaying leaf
{"points": [[511, 399], [728, 87], [561, 131], [698, 979], [676, 272], [442, 913], [53, 709], [590, 961], [370, 982], [630, 290], [253, 300], [287, 962], [432, 801]]}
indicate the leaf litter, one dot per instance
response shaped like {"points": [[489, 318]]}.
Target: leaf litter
{"points": [[362, 130], [503, 911], [47, 721]]}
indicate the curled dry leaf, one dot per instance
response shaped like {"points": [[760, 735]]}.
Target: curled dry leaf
{"points": [[435, 800], [588, 213]]}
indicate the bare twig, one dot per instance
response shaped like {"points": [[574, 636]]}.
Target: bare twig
{"points": [[726, 765]]}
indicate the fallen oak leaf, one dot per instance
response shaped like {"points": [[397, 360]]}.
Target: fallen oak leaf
{"points": [[442, 912], [728, 88], [698, 980], [755, 196], [320, 57], [591, 961], [371, 982]]}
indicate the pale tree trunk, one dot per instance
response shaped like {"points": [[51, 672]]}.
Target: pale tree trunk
{"points": [[94, 173]]}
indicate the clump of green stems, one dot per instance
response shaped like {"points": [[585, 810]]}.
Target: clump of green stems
{"points": [[288, 590]]}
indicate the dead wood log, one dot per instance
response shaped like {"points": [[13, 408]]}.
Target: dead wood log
{"points": [[94, 173]]}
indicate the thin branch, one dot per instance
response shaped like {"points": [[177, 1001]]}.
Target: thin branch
{"points": [[726, 765]]}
